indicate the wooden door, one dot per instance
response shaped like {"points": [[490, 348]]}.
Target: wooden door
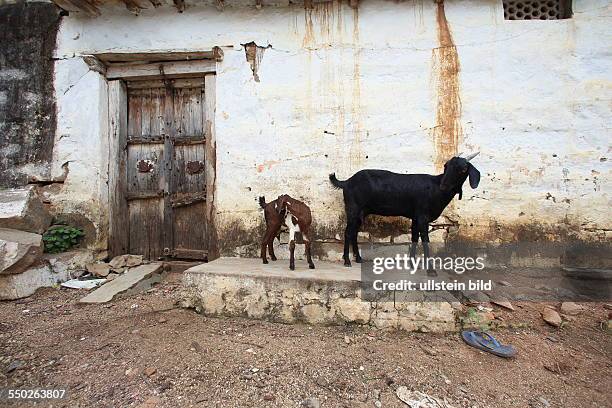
{"points": [[166, 181]]}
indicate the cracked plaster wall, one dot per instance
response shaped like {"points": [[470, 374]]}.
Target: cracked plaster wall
{"points": [[343, 89]]}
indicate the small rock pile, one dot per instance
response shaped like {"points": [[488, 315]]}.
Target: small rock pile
{"points": [[115, 267], [568, 309]]}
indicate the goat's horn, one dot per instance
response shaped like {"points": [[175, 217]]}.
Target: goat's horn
{"points": [[459, 155], [471, 156]]}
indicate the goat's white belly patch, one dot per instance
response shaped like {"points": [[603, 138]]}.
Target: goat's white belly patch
{"points": [[293, 228]]}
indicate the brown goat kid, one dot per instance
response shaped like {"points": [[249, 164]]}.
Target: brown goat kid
{"points": [[296, 216], [275, 220]]}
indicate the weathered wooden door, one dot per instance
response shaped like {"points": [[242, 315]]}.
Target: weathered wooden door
{"points": [[166, 181]]}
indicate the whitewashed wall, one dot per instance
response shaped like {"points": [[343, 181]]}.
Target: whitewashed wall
{"points": [[81, 148], [341, 90]]}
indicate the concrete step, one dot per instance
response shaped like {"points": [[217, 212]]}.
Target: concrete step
{"points": [[331, 294], [135, 279]]}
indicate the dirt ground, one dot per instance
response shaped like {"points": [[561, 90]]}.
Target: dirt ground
{"points": [[143, 351]]}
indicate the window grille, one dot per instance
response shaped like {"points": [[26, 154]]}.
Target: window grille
{"points": [[537, 9]]}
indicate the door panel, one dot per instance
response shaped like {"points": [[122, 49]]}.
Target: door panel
{"points": [[189, 173], [144, 167], [145, 171], [189, 112], [146, 227], [189, 205], [165, 168], [189, 182], [190, 231]]}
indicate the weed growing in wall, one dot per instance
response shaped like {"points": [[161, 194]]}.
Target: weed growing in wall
{"points": [[60, 238]]}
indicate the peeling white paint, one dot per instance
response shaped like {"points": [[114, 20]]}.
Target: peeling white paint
{"points": [[80, 142]]}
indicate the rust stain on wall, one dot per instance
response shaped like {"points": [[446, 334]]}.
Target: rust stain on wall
{"points": [[321, 15], [325, 14], [309, 39], [355, 152], [446, 67], [323, 28]]}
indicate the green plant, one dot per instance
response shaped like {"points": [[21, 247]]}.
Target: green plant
{"points": [[60, 238], [475, 319]]}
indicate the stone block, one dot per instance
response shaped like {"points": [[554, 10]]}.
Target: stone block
{"points": [[385, 319], [122, 261], [16, 286], [69, 263], [363, 236], [353, 310], [99, 269], [380, 240], [50, 270], [256, 305], [316, 314], [22, 209], [122, 283], [18, 250], [402, 239]]}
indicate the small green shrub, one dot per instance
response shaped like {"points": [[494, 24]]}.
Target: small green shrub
{"points": [[473, 319], [60, 238]]}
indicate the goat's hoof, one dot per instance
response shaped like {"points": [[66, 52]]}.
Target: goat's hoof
{"points": [[347, 263], [273, 258], [311, 266], [358, 260], [265, 261], [292, 267]]}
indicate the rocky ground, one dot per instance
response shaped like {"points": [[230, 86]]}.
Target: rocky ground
{"points": [[143, 351]]}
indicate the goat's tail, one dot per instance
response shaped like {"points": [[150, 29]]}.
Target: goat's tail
{"points": [[262, 201], [337, 183]]}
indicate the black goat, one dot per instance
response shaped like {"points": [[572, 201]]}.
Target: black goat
{"points": [[420, 197]]}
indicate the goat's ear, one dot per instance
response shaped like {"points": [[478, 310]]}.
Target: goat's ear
{"points": [[460, 193], [474, 176]]}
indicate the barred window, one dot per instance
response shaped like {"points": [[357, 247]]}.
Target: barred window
{"points": [[537, 9]]}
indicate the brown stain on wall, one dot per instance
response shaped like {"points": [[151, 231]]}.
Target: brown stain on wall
{"points": [[356, 155], [447, 131], [323, 16], [236, 235], [309, 38], [324, 28]]}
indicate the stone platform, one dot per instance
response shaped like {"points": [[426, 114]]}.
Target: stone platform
{"points": [[328, 295]]}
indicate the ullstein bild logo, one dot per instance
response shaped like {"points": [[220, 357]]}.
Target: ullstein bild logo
{"points": [[432, 285], [404, 262]]}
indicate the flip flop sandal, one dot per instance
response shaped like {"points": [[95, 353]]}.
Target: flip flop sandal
{"points": [[486, 342]]}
